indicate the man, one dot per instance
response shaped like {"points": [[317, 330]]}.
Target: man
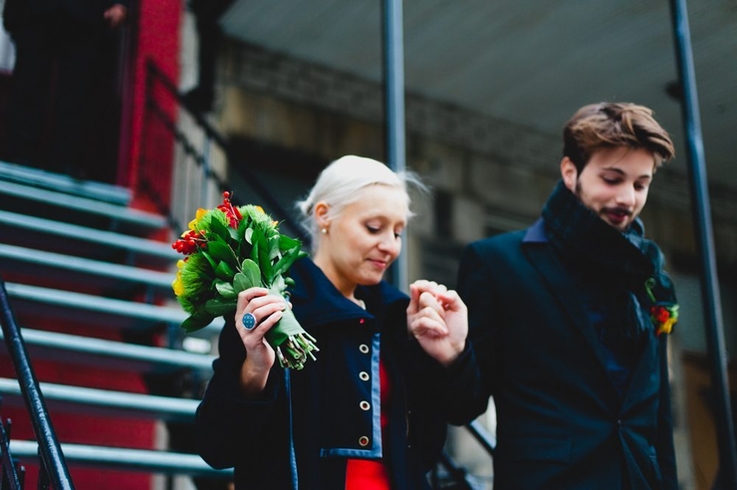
{"points": [[568, 320]]}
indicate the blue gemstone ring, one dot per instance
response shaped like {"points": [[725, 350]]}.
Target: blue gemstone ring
{"points": [[249, 321]]}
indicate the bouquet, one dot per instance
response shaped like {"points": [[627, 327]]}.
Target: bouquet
{"points": [[229, 249]]}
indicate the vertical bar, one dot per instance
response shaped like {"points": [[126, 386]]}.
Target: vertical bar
{"points": [[206, 155], [705, 243], [51, 456], [393, 57]]}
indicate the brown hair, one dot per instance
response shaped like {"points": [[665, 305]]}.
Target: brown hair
{"points": [[608, 125]]}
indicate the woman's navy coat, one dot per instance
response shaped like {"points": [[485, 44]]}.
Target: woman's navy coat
{"points": [[334, 410]]}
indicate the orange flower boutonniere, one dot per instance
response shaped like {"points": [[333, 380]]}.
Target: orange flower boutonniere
{"points": [[662, 313]]}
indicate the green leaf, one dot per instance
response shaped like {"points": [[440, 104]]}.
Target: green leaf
{"points": [[225, 289], [251, 275], [196, 322], [220, 251], [219, 306], [213, 262], [288, 243], [221, 230], [224, 271], [286, 262], [274, 247]]}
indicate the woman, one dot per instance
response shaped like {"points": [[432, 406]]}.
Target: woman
{"points": [[369, 412]]}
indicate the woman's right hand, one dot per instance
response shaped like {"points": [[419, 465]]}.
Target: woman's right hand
{"points": [[260, 356]]}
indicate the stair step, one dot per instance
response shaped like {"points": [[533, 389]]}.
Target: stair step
{"points": [[84, 211], [108, 275], [105, 402], [105, 312], [48, 233], [111, 354], [130, 459], [64, 183]]}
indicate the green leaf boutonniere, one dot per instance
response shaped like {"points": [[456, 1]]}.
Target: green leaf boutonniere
{"points": [[227, 250]]}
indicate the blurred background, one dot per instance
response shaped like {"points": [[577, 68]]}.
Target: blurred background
{"points": [[257, 96]]}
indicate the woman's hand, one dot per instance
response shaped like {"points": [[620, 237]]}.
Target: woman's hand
{"points": [[438, 319], [262, 311]]}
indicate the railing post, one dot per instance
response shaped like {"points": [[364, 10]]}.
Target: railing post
{"points": [[393, 57], [705, 243], [50, 452]]}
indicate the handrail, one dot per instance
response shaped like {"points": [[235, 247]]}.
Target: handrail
{"points": [[213, 134], [483, 436], [10, 473], [52, 457]]}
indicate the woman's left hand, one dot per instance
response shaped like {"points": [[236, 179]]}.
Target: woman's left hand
{"points": [[438, 319]]}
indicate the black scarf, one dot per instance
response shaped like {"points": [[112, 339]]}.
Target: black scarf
{"points": [[580, 234], [611, 266]]}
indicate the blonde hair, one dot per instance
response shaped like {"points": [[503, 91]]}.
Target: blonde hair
{"points": [[340, 182]]}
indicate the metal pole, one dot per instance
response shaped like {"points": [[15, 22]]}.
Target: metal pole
{"points": [[705, 243], [393, 56]]}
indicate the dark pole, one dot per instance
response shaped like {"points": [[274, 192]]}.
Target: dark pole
{"points": [[705, 244], [393, 56]]}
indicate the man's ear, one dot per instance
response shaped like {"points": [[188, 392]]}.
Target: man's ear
{"points": [[569, 173]]}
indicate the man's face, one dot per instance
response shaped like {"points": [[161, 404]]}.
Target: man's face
{"points": [[613, 184]]}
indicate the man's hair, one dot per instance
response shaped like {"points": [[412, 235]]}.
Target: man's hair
{"points": [[609, 125]]}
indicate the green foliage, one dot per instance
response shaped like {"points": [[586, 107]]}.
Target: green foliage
{"points": [[233, 260]]}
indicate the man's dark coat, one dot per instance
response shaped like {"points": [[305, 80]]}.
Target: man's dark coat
{"points": [[561, 422]]}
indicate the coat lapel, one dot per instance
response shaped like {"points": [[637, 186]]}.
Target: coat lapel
{"points": [[563, 288]]}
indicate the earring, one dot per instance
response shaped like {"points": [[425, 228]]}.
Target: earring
{"points": [[324, 231]]}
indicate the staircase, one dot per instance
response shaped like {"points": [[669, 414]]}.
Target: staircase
{"points": [[89, 283]]}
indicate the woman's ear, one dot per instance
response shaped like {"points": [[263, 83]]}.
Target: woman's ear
{"points": [[569, 173], [321, 214]]}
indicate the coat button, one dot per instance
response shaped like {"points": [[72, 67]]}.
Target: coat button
{"points": [[363, 376], [619, 424], [365, 406], [363, 348], [363, 441]]}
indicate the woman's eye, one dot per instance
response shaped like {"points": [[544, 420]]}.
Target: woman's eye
{"points": [[372, 229]]}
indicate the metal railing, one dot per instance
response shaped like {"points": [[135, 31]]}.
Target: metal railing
{"points": [[53, 467], [158, 83]]}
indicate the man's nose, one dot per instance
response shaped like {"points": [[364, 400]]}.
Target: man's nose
{"points": [[626, 197]]}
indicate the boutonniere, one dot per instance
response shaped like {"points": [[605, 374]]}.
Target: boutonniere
{"points": [[664, 314]]}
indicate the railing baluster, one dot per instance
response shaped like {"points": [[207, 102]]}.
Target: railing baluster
{"points": [[50, 453]]}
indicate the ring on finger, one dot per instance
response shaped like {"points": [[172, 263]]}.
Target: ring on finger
{"points": [[249, 321]]}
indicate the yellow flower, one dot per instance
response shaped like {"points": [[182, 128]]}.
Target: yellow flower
{"points": [[198, 216], [178, 284], [667, 326]]}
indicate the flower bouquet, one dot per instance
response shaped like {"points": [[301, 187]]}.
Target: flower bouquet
{"points": [[229, 249]]}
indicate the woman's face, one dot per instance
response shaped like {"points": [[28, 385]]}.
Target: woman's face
{"points": [[364, 239]]}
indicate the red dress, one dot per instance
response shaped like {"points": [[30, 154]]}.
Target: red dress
{"points": [[371, 474]]}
